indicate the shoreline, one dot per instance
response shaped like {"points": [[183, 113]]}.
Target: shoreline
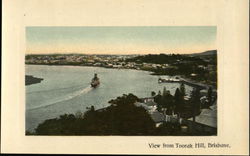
{"points": [[31, 77], [150, 72]]}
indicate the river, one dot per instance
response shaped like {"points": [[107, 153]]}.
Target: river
{"points": [[66, 89]]}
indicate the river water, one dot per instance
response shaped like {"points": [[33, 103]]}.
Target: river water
{"points": [[66, 89]]}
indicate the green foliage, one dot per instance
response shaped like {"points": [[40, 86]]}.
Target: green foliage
{"points": [[178, 101], [168, 103], [169, 129], [121, 118], [209, 96], [166, 100], [195, 102], [158, 100], [182, 89], [177, 104], [183, 65], [164, 93], [162, 58], [153, 93]]}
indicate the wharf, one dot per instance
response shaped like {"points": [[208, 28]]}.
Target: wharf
{"points": [[184, 81]]}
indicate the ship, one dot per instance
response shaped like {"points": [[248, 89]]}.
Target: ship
{"points": [[95, 81]]}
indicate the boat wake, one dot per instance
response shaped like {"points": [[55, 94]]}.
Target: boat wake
{"points": [[65, 98], [52, 90]]}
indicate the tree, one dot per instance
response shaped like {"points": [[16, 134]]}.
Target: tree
{"points": [[195, 102], [79, 114], [164, 93], [177, 95], [209, 96], [168, 102], [178, 101], [164, 101], [158, 100], [92, 108], [113, 120], [182, 89], [153, 93], [159, 93]]}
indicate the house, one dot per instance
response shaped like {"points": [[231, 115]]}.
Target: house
{"points": [[157, 117], [150, 103], [147, 99], [150, 108]]}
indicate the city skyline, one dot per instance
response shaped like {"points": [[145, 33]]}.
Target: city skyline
{"points": [[120, 40]]}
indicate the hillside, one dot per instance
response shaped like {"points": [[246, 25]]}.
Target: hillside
{"points": [[210, 52]]}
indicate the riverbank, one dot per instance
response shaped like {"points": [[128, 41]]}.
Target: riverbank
{"points": [[188, 80], [116, 120], [64, 90], [29, 80]]}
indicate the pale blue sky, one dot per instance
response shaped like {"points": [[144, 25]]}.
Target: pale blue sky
{"points": [[119, 40]]}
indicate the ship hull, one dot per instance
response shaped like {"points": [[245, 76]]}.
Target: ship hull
{"points": [[95, 81], [94, 85]]}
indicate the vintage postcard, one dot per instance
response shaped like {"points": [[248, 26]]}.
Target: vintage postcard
{"points": [[143, 81], [146, 80]]}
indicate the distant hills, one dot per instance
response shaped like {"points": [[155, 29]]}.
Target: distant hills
{"points": [[210, 52], [205, 53]]}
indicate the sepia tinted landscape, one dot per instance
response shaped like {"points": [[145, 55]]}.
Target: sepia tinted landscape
{"points": [[129, 81]]}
